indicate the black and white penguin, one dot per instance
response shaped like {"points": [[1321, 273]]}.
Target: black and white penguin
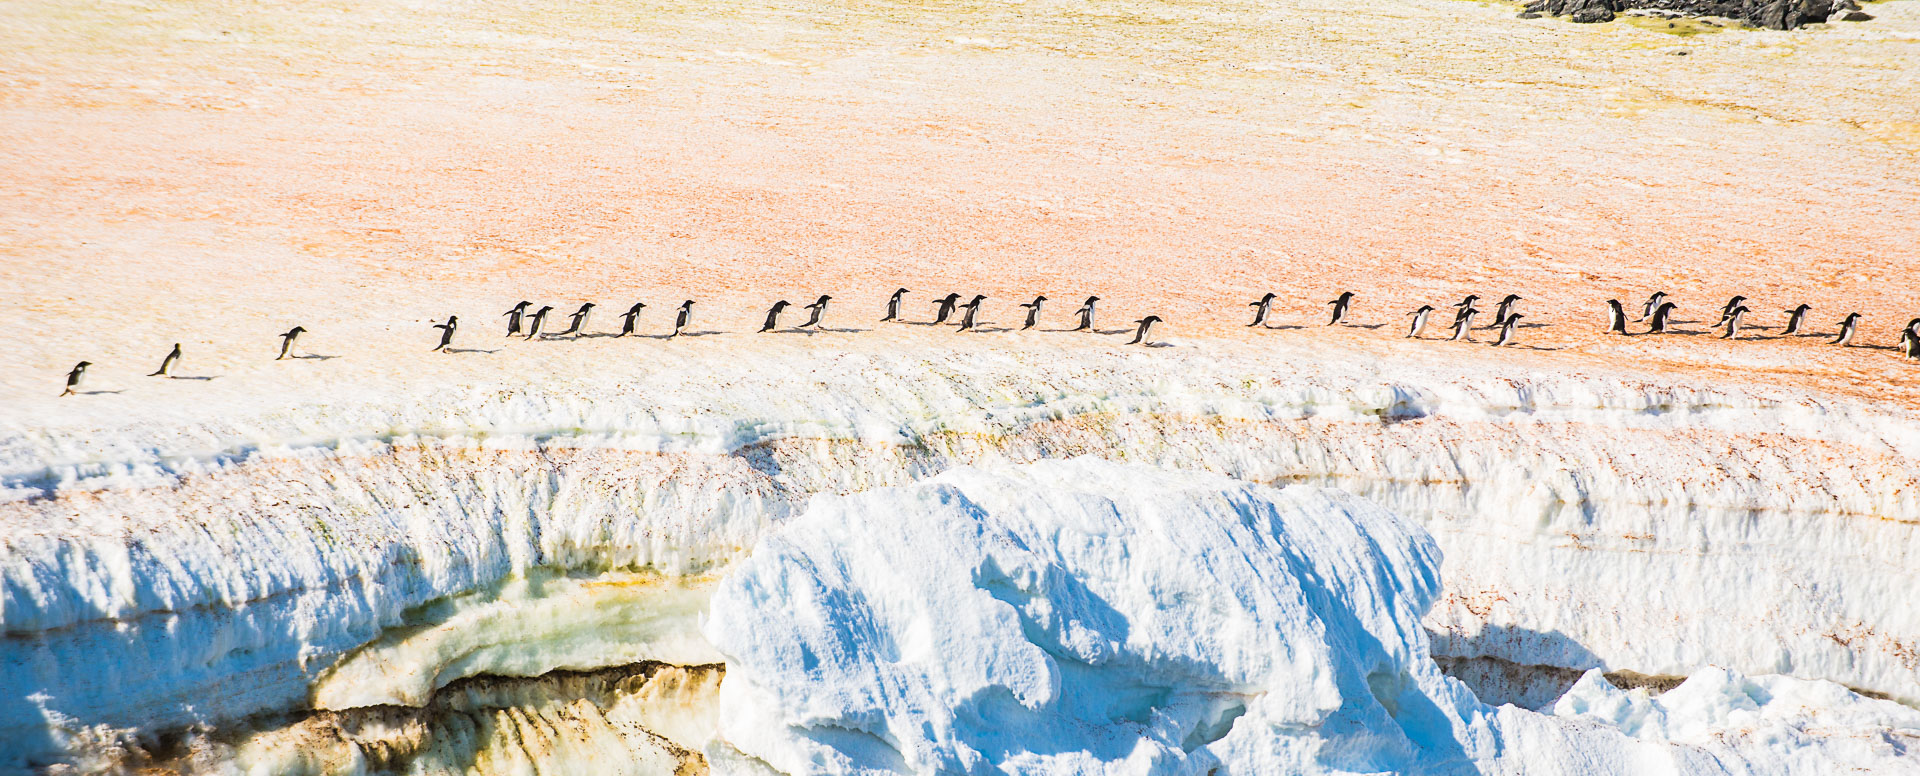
{"points": [[166, 364], [1653, 303], [1661, 315], [1727, 309], [1261, 308], [1086, 314], [1795, 317], [893, 305], [579, 320], [1146, 327], [1847, 325], [1033, 312], [946, 305], [973, 310], [680, 320], [1340, 307], [819, 308], [287, 340], [1910, 340], [1616, 317], [1505, 309], [74, 377], [773, 316], [513, 317], [539, 317], [1733, 322], [631, 317], [1463, 325], [1419, 320], [446, 333], [1467, 302], [1506, 330]]}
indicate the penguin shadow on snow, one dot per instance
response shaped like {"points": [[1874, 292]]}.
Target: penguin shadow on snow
{"points": [[313, 357], [99, 392], [195, 378], [470, 350], [1284, 327], [811, 332]]}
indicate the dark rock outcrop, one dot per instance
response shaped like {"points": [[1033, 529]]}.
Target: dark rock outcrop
{"points": [[1772, 14]]}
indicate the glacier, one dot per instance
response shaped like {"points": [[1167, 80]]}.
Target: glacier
{"points": [[220, 580]]}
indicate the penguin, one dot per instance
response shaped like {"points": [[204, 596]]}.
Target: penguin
{"points": [[1419, 320], [287, 340], [1463, 325], [446, 333], [539, 317], [1661, 315], [1086, 314], [1616, 317], [1261, 308], [74, 377], [1653, 303], [166, 364], [973, 309], [1910, 340], [893, 305], [1340, 307], [680, 321], [1727, 310], [946, 304], [1795, 317], [1506, 330], [631, 316], [1847, 326], [1733, 322], [1033, 312], [819, 308], [513, 317], [1146, 327], [579, 320], [773, 316], [1505, 309]]}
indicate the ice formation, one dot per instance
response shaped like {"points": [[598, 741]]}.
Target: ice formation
{"points": [[221, 566]]}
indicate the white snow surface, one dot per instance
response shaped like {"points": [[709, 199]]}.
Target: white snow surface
{"points": [[1085, 617]]}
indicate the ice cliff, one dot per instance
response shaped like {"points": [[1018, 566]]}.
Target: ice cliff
{"points": [[312, 566]]}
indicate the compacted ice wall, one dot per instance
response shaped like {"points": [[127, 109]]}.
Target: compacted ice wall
{"points": [[363, 553]]}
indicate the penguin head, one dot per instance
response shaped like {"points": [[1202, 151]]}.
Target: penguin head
{"points": [[1092, 299], [1613, 303], [1040, 298], [82, 366], [823, 299], [297, 330]]}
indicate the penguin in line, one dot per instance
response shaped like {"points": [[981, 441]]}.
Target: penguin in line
{"points": [[1616, 317], [819, 308], [1653, 303], [1727, 310], [1463, 325], [579, 320], [1146, 327], [1847, 325], [680, 320], [946, 304], [1506, 330], [446, 333], [166, 364], [1733, 322], [1086, 315], [773, 316], [630, 317], [513, 317], [539, 317], [973, 309], [1795, 317], [1467, 302], [1419, 320], [1661, 315], [287, 340], [1260, 309], [1910, 340], [1033, 312], [1505, 309], [893, 306], [74, 377], [1340, 307]]}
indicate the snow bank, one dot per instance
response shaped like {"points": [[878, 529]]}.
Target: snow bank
{"points": [[1084, 617]]}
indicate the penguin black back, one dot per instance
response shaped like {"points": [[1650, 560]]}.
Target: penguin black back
{"points": [[1616, 317], [1661, 315], [1146, 327], [166, 364]]}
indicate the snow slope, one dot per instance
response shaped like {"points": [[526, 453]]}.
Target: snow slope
{"points": [[1083, 617]]}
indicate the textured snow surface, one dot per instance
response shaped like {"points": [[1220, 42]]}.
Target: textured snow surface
{"points": [[1085, 617]]}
